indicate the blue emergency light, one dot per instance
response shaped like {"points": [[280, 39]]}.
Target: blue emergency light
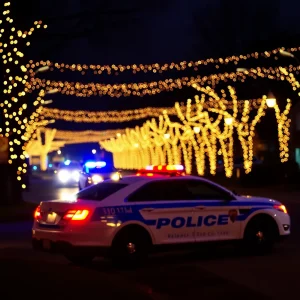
{"points": [[95, 164], [67, 162]]}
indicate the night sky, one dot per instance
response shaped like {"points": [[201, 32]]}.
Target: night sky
{"points": [[122, 32]]}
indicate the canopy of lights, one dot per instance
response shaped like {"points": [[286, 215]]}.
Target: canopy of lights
{"points": [[204, 128]]}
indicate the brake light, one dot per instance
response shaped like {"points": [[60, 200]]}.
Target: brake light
{"points": [[76, 215], [37, 213], [281, 208]]}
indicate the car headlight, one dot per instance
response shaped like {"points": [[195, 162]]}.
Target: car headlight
{"points": [[115, 176], [75, 176], [96, 179], [63, 175]]}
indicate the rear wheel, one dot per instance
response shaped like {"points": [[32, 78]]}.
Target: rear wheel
{"points": [[130, 248], [260, 235], [80, 259]]}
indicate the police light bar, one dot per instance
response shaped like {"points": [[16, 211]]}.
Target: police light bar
{"points": [[67, 162], [95, 164], [164, 168]]}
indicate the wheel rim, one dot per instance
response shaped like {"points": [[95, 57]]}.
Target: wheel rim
{"points": [[131, 248], [260, 236]]}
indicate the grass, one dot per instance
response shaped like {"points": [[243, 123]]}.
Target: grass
{"points": [[17, 212]]}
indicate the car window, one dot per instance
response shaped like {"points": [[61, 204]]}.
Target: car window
{"points": [[99, 170], [72, 165], [159, 191], [100, 191], [175, 190], [199, 190]]}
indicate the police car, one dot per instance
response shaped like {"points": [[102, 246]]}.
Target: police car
{"points": [[94, 172], [68, 173], [135, 215]]}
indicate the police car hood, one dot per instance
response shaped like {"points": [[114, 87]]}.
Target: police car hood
{"points": [[257, 199]]}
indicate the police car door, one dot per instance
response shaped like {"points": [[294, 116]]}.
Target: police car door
{"points": [[164, 210], [215, 212]]}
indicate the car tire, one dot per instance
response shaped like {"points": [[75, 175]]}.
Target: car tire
{"points": [[260, 235], [80, 259], [130, 248]]}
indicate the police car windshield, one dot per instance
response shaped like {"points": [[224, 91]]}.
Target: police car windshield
{"points": [[72, 165], [100, 191], [99, 170]]}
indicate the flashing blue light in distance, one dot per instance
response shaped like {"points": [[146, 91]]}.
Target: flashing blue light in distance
{"points": [[95, 164], [50, 165], [67, 162], [34, 168]]}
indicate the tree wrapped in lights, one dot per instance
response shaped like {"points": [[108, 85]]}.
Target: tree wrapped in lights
{"points": [[199, 133], [17, 122]]}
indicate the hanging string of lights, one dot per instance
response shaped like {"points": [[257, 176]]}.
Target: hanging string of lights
{"points": [[87, 136], [81, 116], [156, 67], [155, 87]]}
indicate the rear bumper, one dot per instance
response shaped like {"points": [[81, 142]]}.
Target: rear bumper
{"points": [[62, 247]]}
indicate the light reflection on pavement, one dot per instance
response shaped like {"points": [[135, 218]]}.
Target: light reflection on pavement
{"points": [[67, 193], [47, 189]]}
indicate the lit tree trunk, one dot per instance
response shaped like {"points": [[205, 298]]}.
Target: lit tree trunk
{"points": [[15, 103]]}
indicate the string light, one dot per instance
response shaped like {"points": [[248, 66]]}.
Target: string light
{"points": [[15, 80], [141, 89], [156, 67], [199, 134], [81, 116], [87, 136]]}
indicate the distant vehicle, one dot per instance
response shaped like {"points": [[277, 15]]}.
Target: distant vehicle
{"points": [[97, 171], [68, 173], [128, 218]]}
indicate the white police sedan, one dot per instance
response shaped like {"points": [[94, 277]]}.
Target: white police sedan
{"points": [[129, 218]]}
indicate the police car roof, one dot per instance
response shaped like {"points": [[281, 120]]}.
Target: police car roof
{"points": [[131, 179]]}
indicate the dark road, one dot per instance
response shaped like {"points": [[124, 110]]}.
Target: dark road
{"points": [[221, 273]]}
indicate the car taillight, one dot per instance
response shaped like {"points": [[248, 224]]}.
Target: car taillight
{"points": [[37, 213], [281, 208], [76, 215]]}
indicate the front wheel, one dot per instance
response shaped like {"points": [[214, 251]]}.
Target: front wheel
{"points": [[260, 235], [79, 260]]}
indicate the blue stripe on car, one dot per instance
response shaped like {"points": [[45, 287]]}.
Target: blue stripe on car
{"points": [[132, 212]]}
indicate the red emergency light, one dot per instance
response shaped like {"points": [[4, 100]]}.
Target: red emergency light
{"points": [[175, 170]]}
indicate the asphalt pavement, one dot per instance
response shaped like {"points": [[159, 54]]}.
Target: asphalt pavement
{"points": [[222, 273]]}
